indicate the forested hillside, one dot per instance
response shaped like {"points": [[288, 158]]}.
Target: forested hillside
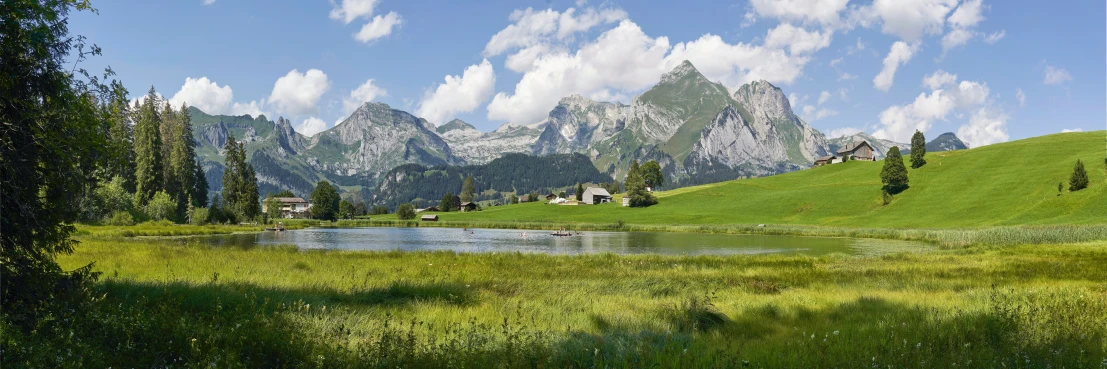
{"points": [[511, 173]]}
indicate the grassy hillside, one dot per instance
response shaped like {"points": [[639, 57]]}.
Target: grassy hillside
{"points": [[1004, 184]]}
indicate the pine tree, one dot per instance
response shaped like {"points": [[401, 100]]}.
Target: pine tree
{"points": [[468, 189], [183, 158], [580, 191], [1079, 179], [200, 187], [168, 130], [148, 170], [240, 186], [894, 174], [251, 203], [918, 150], [120, 138]]}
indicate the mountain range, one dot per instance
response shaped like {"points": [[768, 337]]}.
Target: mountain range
{"points": [[698, 131]]}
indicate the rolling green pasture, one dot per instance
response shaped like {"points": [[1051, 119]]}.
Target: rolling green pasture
{"points": [[1012, 183]]}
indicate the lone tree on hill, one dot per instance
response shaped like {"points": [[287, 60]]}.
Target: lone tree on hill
{"points": [[636, 188], [918, 150], [324, 201], [651, 174], [894, 174], [1079, 179]]}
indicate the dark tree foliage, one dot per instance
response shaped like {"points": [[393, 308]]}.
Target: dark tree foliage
{"points": [[449, 202], [636, 188], [405, 212], [894, 174], [200, 187], [517, 173], [651, 174], [240, 184], [918, 150], [378, 210], [1079, 179], [50, 137], [284, 193], [580, 191], [346, 210], [324, 201]]}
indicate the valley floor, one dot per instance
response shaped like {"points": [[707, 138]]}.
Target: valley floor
{"points": [[174, 302]]}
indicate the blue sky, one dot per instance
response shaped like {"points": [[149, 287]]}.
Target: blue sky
{"points": [[990, 71]]}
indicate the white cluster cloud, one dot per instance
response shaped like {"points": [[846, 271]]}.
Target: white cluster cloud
{"points": [[349, 10], [623, 60], [209, 2], [821, 12], [844, 131], [211, 98], [987, 124], [812, 113], [378, 26], [298, 93], [900, 54], [797, 40], [1072, 130], [205, 95], [962, 23], [362, 94], [1056, 76], [311, 126], [538, 27], [1021, 96], [909, 20], [459, 94]]}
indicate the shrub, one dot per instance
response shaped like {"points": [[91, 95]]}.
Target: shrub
{"points": [[161, 207], [198, 216], [120, 218], [405, 212], [379, 210]]}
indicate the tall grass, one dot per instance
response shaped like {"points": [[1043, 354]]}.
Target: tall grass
{"points": [[167, 303]]}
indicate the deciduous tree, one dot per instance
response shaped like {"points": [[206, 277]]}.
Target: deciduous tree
{"points": [[324, 201], [894, 173]]}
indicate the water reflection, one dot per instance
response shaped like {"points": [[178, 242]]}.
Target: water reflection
{"points": [[533, 241]]}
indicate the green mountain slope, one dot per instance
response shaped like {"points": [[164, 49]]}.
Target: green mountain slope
{"points": [[1003, 184]]}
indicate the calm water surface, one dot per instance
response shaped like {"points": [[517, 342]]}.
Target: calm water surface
{"points": [[534, 241]]}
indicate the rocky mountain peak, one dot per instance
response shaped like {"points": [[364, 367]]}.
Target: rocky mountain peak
{"points": [[684, 71], [456, 124], [764, 98]]}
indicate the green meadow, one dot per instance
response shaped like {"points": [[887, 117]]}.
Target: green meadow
{"points": [[1012, 183]]}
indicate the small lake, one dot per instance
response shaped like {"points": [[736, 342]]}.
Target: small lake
{"points": [[535, 241]]}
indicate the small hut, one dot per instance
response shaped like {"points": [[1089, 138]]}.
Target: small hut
{"points": [[429, 218], [468, 206]]}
